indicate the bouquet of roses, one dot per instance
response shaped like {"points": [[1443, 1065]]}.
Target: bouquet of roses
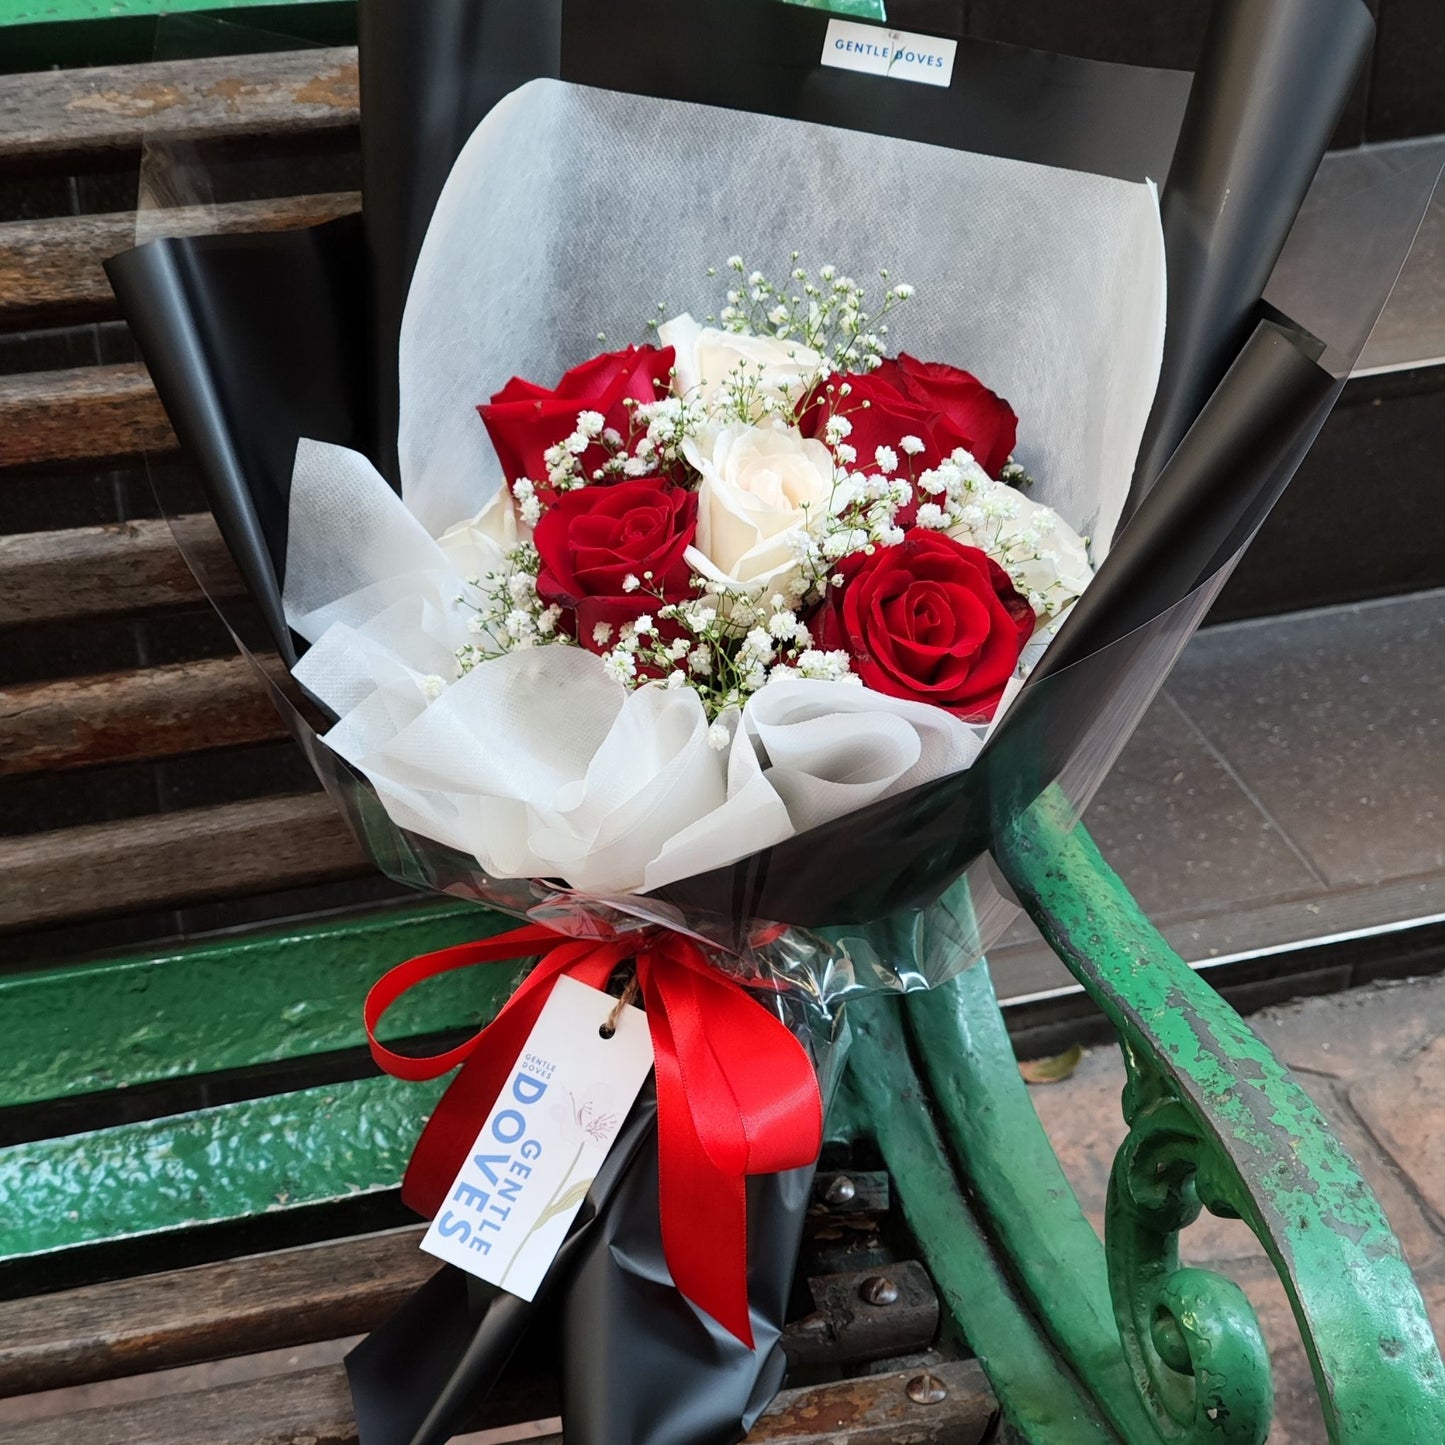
{"points": [[725, 656], [767, 572]]}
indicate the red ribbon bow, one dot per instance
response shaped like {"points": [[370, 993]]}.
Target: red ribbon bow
{"points": [[736, 1092]]}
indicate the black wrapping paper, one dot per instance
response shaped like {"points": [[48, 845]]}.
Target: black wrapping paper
{"points": [[1249, 146], [242, 381]]}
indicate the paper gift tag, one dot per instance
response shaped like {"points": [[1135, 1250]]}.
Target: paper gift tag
{"points": [[511, 1204], [895, 54]]}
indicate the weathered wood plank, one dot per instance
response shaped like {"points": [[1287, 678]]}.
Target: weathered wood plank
{"points": [[245, 1306], [121, 567], [84, 413], [345, 1287], [50, 270], [107, 108], [313, 1407], [124, 717], [173, 858]]}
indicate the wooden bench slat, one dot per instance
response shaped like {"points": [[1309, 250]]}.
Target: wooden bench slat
{"points": [[119, 567], [293, 993], [108, 108], [243, 1306], [50, 270], [313, 1407], [173, 858], [84, 413], [121, 717], [331, 1291], [232, 1161]]}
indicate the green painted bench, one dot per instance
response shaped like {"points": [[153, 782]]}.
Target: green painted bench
{"points": [[198, 1162]]}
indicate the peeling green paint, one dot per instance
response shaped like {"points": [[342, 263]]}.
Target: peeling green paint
{"points": [[234, 1161], [1043, 1400], [41, 12], [257, 999]]}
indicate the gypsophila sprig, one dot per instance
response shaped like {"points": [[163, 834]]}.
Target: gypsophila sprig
{"points": [[702, 644], [827, 313], [507, 615]]}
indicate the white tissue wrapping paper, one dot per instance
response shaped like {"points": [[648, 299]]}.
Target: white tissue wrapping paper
{"points": [[573, 212]]}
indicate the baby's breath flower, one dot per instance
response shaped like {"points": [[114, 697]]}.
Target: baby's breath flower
{"points": [[621, 665]]}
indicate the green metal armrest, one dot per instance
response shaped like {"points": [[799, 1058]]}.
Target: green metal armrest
{"points": [[1115, 1341]]}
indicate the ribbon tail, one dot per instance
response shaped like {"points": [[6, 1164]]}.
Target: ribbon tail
{"points": [[703, 1209]]}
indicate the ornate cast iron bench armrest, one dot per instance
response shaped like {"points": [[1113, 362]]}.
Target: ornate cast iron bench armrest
{"points": [[1114, 1340]]}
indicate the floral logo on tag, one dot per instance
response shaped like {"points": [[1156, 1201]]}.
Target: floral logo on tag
{"points": [[594, 1121]]}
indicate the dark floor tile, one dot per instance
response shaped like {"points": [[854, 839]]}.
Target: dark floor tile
{"points": [[1319, 547], [1179, 830], [1133, 32], [1412, 330], [1407, 97], [1336, 721]]}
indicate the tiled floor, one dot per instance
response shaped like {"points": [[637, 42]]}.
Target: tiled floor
{"points": [[1288, 784]]}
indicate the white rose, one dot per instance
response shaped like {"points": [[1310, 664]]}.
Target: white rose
{"points": [[707, 359], [1045, 558], [761, 487], [480, 544]]}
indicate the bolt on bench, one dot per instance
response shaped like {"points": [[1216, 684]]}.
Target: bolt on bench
{"points": [[198, 1160]]}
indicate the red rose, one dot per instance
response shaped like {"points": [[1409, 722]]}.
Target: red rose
{"points": [[968, 414], [591, 540], [524, 419], [929, 620], [945, 408]]}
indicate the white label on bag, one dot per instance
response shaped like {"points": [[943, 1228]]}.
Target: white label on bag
{"points": [[509, 1208], [896, 54]]}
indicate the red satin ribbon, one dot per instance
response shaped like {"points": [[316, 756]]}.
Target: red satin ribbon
{"points": [[736, 1092]]}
